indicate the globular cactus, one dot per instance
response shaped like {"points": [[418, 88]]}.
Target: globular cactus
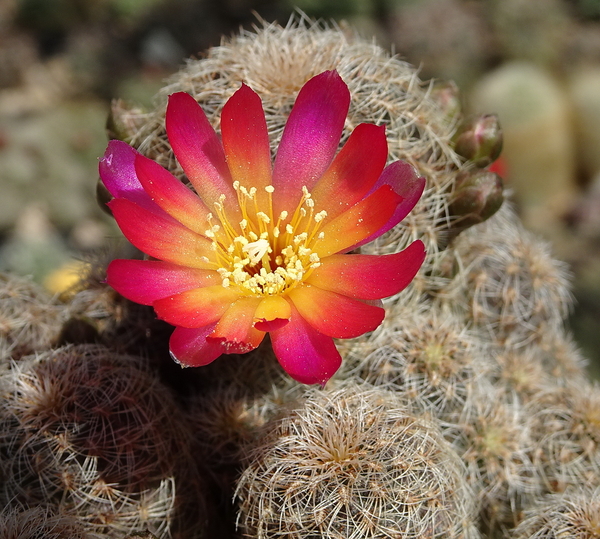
{"points": [[428, 355], [354, 463], [565, 427], [30, 318], [495, 443], [39, 523], [507, 283], [574, 513], [99, 436]]}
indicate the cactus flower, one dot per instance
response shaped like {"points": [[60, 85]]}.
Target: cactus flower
{"points": [[261, 247]]}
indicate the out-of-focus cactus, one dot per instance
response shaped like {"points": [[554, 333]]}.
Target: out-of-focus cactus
{"points": [[573, 513], [39, 522], [538, 140], [585, 100], [30, 318]]}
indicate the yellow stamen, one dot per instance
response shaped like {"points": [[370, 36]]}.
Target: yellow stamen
{"points": [[261, 255]]}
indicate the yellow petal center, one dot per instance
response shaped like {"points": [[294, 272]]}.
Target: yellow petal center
{"points": [[262, 255]]}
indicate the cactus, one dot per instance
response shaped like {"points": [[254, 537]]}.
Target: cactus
{"points": [[38, 522], [354, 463], [466, 412], [98, 435], [574, 513], [30, 318]]}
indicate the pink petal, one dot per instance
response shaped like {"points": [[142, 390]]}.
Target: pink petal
{"points": [[189, 347], [235, 329], [246, 141], [171, 195], [369, 276], [118, 174], [161, 236], [195, 308], [335, 315], [357, 223], [405, 181], [305, 354], [310, 138], [145, 281], [353, 172], [199, 150]]}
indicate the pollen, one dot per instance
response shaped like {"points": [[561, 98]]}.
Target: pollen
{"points": [[262, 254]]}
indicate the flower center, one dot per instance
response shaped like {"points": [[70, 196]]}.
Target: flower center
{"points": [[264, 256]]}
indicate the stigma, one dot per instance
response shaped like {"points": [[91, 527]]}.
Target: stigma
{"points": [[263, 254]]}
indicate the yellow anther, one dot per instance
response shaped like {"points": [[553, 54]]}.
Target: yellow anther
{"points": [[269, 188], [263, 217]]}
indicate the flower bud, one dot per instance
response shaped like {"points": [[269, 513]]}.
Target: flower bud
{"points": [[103, 197], [480, 140], [478, 195], [123, 121], [445, 94]]}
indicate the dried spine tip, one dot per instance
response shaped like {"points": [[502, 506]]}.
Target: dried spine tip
{"points": [[354, 463]]}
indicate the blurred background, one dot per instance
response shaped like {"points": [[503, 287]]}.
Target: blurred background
{"points": [[534, 63]]}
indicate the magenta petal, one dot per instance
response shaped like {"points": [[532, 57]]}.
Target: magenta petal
{"points": [[146, 281], [117, 171], [189, 347], [405, 181], [310, 138], [305, 354], [198, 149]]}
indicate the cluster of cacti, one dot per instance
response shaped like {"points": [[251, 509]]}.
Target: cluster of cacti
{"points": [[466, 413]]}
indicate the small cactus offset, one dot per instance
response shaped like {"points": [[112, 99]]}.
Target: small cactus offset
{"points": [[464, 412]]}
